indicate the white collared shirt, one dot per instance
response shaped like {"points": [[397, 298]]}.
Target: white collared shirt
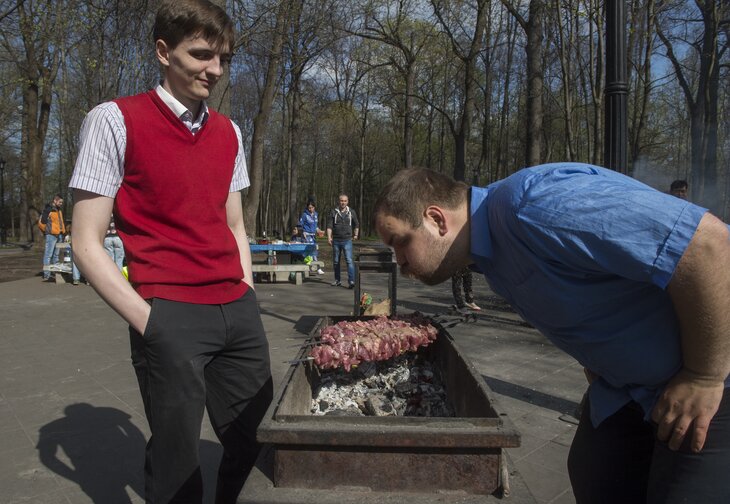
{"points": [[182, 111], [103, 141]]}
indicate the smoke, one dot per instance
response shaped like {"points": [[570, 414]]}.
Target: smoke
{"points": [[656, 175]]}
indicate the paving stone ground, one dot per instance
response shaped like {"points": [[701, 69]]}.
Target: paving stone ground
{"points": [[72, 427]]}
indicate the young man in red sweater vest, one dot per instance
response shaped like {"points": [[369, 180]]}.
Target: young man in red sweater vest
{"points": [[171, 170]]}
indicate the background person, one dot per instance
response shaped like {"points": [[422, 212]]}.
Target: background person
{"points": [[461, 288], [342, 227], [195, 331], [679, 188], [113, 245], [52, 225], [309, 222], [75, 273], [647, 317]]}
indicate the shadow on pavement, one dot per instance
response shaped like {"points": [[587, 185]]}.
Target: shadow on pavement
{"points": [[547, 401], [98, 448]]}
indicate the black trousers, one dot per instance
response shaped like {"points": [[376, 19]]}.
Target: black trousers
{"points": [[192, 357], [621, 461], [462, 278]]}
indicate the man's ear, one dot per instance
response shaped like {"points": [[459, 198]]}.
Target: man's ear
{"points": [[436, 216], [163, 52]]}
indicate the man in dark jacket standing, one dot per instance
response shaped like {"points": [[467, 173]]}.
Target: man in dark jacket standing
{"points": [[342, 227], [51, 223]]}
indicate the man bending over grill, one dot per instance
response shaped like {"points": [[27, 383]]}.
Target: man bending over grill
{"points": [[172, 170], [632, 282]]}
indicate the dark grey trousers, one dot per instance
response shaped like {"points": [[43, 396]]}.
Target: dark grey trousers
{"points": [[192, 357], [462, 279], [621, 461]]}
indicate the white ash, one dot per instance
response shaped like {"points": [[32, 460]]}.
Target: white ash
{"points": [[407, 385]]}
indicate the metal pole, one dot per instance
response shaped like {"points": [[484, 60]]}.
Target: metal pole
{"points": [[2, 202], [615, 140]]}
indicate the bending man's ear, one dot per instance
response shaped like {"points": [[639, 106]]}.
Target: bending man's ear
{"points": [[436, 216]]}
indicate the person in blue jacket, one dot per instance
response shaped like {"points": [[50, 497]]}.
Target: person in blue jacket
{"points": [[632, 282], [309, 222]]}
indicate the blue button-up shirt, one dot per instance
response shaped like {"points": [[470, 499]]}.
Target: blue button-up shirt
{"points": [[585, 255]]}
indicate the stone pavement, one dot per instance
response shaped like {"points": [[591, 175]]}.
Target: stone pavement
{"points": [[72, 426]]}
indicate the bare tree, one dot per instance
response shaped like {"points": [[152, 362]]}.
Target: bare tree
{"points": [[532, 25], [700, 84], [307, 39], [641, 50], [36, 49], [395, 27], [261, 120], [465, 47]]}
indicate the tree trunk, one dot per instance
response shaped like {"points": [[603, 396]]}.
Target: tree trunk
{"points": [[220, 97], [291, 214], [703, 107], [534, 83], [462, 127], [501, 169], [565, 43], [597, 84], [39, 69], [260, 122], [408, 115], [642, 91]]}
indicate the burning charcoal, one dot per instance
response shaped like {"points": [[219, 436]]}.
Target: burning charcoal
{"points": [[379, 406], [367, 369], [399, 405], [405, 388], [406, 385], [427, 375]]}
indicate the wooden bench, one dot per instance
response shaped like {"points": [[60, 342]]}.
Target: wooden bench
{"points": [[299, 270], [59, 268], [313, 267]]}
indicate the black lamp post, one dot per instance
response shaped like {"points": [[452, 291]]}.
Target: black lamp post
{"points": [[2, 202], [616, 91]]}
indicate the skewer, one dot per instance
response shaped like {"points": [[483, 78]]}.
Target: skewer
{"points": [[299, 361], [305, 344]]}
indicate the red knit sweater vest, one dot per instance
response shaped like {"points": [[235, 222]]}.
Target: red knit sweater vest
{"points": [[170, 210]]}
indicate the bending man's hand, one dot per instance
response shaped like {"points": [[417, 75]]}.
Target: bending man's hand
{"points": [[686, 407]]}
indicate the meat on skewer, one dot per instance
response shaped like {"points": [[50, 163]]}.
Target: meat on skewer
{"points": [[349, 343]]}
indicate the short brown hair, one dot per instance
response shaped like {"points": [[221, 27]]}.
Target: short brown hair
{"points": [[177, 19], [410, 191]]}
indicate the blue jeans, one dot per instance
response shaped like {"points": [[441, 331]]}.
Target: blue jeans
{"points": [[75, 273], [50, 255], [621, 460], [115, 249], [338, 247], [310, 238]]}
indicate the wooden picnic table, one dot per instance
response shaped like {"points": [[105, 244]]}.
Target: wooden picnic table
{"points": [[278, 259]]}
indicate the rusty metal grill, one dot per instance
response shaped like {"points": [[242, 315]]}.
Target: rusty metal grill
{"points": [[390, 454]]}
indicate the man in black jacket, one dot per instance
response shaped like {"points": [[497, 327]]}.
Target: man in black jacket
{"points": [[342, 227]]}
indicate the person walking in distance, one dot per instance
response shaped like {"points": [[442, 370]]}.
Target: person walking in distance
{"points": [[196, 334], [113, 245], [53, 228], [342, 227]]}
